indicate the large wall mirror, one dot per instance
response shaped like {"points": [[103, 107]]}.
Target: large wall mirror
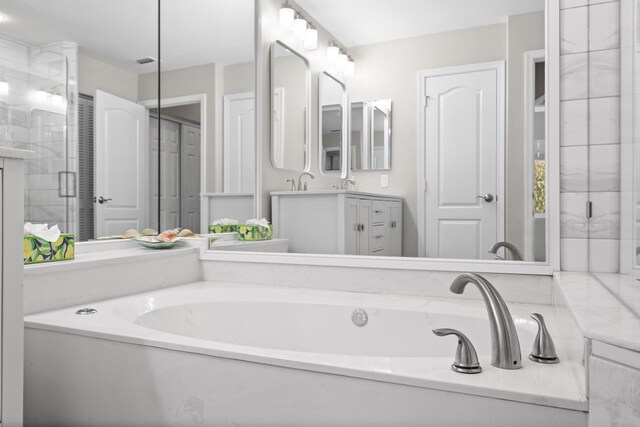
{"points": [[332, 125], [114, 150], [290, 108], [448, 134]]}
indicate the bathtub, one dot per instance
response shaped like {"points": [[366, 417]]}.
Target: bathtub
{"points": [[233, 354]]}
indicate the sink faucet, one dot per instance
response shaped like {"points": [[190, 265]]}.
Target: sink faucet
{"points": [[300, 185], [346, 182], [515, 253], [505, 346]]}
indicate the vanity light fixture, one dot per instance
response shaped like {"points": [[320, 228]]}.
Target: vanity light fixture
{"points": [[4, 87], [286, 15], [311, 38], [299, 27], [41, 96], [332, 53], [350, 67]]}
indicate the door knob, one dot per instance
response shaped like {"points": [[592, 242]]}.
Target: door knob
{"points": [[486, 197], [102, 200]]}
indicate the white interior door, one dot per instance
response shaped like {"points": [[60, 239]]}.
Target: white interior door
{"points": [[239, 143], [463, 139], [190, 176], [121, 164], [170, 180]]}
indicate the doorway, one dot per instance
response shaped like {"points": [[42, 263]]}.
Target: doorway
{"points": [[461, 160], [180, 165]]}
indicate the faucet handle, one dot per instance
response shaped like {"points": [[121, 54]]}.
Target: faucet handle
{"points": [[544, 351], [466, 361], [293, 183]]}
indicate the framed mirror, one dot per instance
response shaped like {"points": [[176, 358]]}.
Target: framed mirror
{"points": [[370, 135], [453, 151], [332, 126], [290, 108]]}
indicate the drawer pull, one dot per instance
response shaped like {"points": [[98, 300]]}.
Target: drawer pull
{"points": [[378, 211], [379, 236]]}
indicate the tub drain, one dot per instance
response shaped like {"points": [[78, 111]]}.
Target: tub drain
{"points": [[86, 311], [359, 317]]}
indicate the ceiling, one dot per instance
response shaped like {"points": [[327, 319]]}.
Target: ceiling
{"points": [[194, 32], [361, 22]]}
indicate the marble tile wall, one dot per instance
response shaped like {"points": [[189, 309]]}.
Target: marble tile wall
{"points": [[590, 134], [50, 131]]}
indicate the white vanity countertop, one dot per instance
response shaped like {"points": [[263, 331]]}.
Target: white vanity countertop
{"points": [[328, 192], [14, 153], [605, 306]]}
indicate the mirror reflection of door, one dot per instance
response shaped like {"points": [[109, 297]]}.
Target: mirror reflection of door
{"points": [[463, 138]]}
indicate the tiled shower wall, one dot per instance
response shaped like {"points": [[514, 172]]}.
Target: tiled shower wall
{"points": [[590, 134], [47, 130]]}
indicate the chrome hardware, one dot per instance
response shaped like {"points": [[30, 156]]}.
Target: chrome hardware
{"points": [[102, 200], [378, 211], [505, 346], [544, 351], [486, 197], [346, 182], [300, 185], [394, 224], [86, 311], [359, 317], [293, 183], [466, 360], [515, 253], [379, 236]]}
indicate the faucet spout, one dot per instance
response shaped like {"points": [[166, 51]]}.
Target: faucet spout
{"points": [[505, 345], [515, 253], [309, 174]]}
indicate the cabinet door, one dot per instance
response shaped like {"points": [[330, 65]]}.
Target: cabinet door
{"points": [[394, 223], [364, 218], [351, 229]]}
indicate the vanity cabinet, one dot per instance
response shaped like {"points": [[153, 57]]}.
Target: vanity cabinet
{"points": [[338, 222]]}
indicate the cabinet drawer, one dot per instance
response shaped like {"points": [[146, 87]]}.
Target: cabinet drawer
{"points": [[378, 237], [377, 212]]}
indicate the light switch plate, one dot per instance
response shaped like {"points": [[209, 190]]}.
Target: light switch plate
{"points": [[384, 181]]}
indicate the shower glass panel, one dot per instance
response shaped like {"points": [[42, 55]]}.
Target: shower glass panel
{"points": [[38, 113]]}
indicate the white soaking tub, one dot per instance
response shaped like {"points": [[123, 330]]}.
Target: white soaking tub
{"points": [[231, 354]]}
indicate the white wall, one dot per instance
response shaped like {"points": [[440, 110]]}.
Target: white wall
{"points": [[203, 79], [97, 75]]}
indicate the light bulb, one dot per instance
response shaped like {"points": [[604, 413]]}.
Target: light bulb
{"points": [[57, 100], [299, 28], [332, 54], [4, 87], [311, 39], [41, 96], [341, 61], [350, 68], [286, 16]]}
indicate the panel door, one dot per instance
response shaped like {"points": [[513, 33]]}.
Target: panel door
{"points": [[351, 228], [239, 143], [190, 177], [364, 219], [461, 147], [170, 181], [121, 164], [395, 228]]}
